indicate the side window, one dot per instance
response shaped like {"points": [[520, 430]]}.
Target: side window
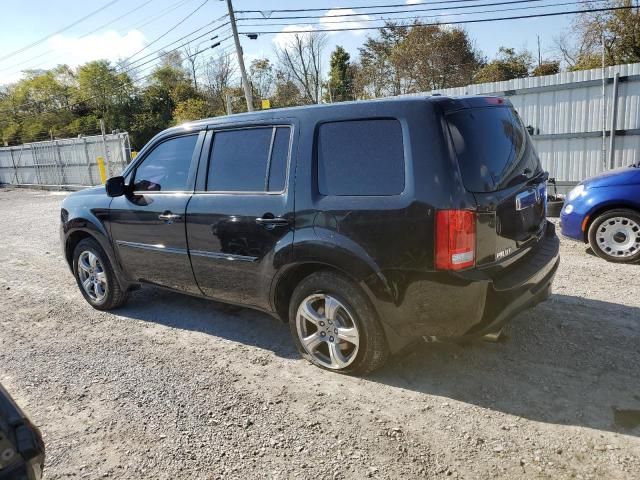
{"points": [[166, 168], [360, 157], [249, 160], [279, 160]]}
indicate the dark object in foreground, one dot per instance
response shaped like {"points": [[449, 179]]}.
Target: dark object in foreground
{"points": [[21, 446], [365, 225], [554, 200]]}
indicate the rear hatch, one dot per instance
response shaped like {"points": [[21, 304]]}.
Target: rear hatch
{"points": [[500, 166]]}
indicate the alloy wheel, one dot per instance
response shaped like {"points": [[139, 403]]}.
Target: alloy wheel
{"points": [[327, 331], [92, 276]]}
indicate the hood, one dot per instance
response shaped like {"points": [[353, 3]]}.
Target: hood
{"points": [[97, 190], [619, 176]]}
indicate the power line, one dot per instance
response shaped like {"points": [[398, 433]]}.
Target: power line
{"points": [[161, 14], [416, 17], [169, 31], [391, 12], [47, 37], [208, 32], [84, 100], [168, 52], [356, 7], [157, 17], [68, 106], [479, 20], [104, 25]]}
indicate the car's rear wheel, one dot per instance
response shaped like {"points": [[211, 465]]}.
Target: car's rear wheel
{"points": [[615, 236], [335, 327], [95, 276]]}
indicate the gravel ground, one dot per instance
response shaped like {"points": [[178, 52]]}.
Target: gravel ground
{"points": [[175, 387]]}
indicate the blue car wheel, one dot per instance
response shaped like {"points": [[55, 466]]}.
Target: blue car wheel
{"points": [[615, 236]]}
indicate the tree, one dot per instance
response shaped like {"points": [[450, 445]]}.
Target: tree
{"points": [[546, 68], [261, 77], [617, 32], [219, 74], [434, 57], [508, 65], [38, 106], [300, 59], [105, 92], [378, 63], [190, 109], [287, 93], [340, 84], [191, 57], [169, 85], [415, 58]]}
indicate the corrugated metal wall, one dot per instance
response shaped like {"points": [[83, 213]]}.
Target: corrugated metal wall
{"points": [[64, 162], [566, 113]]}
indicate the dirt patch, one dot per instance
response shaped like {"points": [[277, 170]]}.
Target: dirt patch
{"points": [[176, 387]]}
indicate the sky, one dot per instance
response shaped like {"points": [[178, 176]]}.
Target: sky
{"points": [[27, 22]]}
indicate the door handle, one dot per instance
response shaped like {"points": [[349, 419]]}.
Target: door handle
{"points": [[272, 221], [169, 217]]}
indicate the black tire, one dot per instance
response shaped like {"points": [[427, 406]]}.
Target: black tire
{"points": [[114, 295], [599, 246], [372, 351]]}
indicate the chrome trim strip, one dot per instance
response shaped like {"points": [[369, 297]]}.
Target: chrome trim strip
{"points": [[223, 256], [154, 248]]}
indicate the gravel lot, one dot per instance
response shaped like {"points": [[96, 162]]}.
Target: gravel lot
{"points": [[175, 387]]}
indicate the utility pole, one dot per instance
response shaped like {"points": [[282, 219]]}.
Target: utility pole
{"points": [[539, 53], [227, 98], [243, 72]]}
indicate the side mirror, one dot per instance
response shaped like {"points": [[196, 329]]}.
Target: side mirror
{"points": [[115, 187]]}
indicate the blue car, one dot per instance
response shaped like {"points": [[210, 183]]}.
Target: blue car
{"points": [[605, 212]]}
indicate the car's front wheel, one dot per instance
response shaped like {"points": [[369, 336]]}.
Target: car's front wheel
{"points": [[95, 276], [615, 236], [335, 327]]}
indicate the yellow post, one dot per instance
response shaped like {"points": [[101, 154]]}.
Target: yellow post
{"points": [[266, 103], [102, 170], [134, 154]]}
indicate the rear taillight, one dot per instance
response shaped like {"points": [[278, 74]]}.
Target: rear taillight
{"points": [[455, 239]]}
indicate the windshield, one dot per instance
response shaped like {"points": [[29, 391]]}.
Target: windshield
{"points": [[493, 148]]}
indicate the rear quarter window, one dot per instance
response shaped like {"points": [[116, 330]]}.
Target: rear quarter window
{"points": [[360, 157]]}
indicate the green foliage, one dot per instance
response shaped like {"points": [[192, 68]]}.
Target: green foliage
{"points": [[341, 73], [617, 32], [546, 68], [190, 109], [508, 65], [398, 59]]}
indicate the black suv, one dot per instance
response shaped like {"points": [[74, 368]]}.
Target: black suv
{"points": [[365, 225]]}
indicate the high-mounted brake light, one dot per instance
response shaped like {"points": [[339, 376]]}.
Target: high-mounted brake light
{"points": [[455, 239]]}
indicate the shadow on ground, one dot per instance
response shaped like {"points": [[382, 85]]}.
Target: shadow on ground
{"points": [[222, 320], [569, 361]]}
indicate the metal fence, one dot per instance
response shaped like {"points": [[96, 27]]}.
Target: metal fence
{"points": [[578, 132], [68, 162]]}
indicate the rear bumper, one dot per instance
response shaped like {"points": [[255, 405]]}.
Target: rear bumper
{"points": [[473, 303]]}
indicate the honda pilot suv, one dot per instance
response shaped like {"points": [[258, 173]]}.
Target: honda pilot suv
{"points": [[366, 226]]}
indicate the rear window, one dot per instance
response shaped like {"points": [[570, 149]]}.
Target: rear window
{"points": [[493, 148], [360, 157]]}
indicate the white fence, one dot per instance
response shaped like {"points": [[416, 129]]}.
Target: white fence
{"points": [[70, 162], [568, 114]]}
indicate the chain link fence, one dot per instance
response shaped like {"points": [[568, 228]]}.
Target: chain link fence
{"points": [[67, 162]]}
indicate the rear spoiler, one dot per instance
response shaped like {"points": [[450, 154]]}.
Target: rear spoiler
{"points": [[453, 104]]}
